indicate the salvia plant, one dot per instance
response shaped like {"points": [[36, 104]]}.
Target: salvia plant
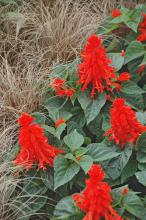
{"points": [[84, 155]]}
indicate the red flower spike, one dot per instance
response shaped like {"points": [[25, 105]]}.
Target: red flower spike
{"points": [[116, 13], [141, 69], [59, 122], [34, 146], [122, 53], [125, 127], [95, 70], [96, 200], [142, 29], [124, 77]]}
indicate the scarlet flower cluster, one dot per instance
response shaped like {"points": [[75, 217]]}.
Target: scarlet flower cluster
{"points": [[33, 144], [96, 200], [125, 127], [59, 86], [142, 29], [116, 13], [95, 70]]}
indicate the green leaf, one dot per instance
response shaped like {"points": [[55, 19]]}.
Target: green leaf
{"points": [[134, 50], [40, 118], [134, 205], [87, 140], [71, 126], [134, 19], [136, 101], [74, 140], [56, 104], [131, 87], [115, 166], [59, 130], [142, 166], [141, 143], [107, 27], [114, 45], [141, 176], [85, 162], [81, 151], [141, 117], [123, 18], [117, 60], [141, 157], [144, 60], [129, 170], [49, 129], [78, 119], [94, 107], [133, 67], [99, 152], [70, 156], [84, 99], [66, 210], [56, 115], [65, 170]]}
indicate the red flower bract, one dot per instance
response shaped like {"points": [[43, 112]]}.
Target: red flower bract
{"points": [[95, 70], [124, 77], [59, 122], [125, 191], [122, 53], [141, 69], [125, 127], [96, 200], [33, 144], [58, 85], [142, 29], [116, 13]]}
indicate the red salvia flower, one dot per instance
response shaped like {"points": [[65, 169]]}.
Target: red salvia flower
{"points": [[96, 200], [65, 92], [57, 83], [69, 92], [95, 70], [59, 122], [122, 53], [142, 29], [123, 77], [125, 127], [61, 92], [33, 144], [116, 13], [141, 69], [59, 86]]}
